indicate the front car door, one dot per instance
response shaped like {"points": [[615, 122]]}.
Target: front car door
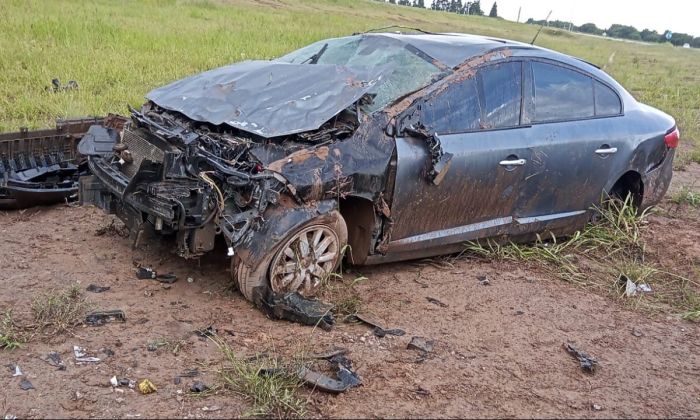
{"points": [[574, 140], [477, 120]]}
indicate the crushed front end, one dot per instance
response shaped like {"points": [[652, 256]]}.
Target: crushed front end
{"points": [[159, 170]]}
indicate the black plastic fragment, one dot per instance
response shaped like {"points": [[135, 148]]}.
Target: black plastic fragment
{"points": [[437, 302], [378, 330], [587, 362], [25, 385], [102, 317], [198, 386], [145, 273], [347, 378], [168, 278], [97, 289], [421, 344], [54, 359], [294, 307]]}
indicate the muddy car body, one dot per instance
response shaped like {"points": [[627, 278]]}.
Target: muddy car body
{"points": [[398, 146]]}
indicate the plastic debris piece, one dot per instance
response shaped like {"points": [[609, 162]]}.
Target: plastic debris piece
{"points": [[54, 359], [144, 273], [587, 362], [198, 386], [631, 288], [102, 317], [347, 378], [25, 385], [483, 280], [17, 371], [294, 307], [421, 344], [82, 357], [113, 380], [378, 330], [209, 331], [437, 302], [146, 386], [97, 289], [168, 278], [212, 408]]}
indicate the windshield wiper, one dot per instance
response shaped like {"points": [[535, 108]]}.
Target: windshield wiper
{"points": [[314, 58]]}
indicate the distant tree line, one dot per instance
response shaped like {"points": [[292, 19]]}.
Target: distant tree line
{"points": [[624, 32], [461, 7]]}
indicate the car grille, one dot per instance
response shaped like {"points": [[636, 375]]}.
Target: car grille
{"points": [[140, 149]]}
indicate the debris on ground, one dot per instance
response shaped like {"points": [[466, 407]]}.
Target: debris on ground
{"points": [[631, 288], [81, 356], [588, 363], [209, 331], [15, 370], [483, 280], [294, 307], [147, 273], [25, 385], [146, 386], [54, 359], [97, 289], [637, 332], [212, 408], [56, 85], [379, 330], [122, 382], [114, 382], [102, 317], [198, 386], [597, 407], [330, 353], [437, 302], [421, 344], [347, 378]]}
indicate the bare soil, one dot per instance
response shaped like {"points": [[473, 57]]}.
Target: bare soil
{"points": [[498, 347]]}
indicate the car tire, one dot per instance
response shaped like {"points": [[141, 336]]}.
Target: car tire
{"points": [[301, 262]]}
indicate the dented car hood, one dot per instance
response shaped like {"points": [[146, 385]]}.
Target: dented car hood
{"points": [[268, 98]]}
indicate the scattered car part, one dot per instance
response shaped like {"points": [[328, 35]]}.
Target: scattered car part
{"points": [[16, 371], [54, 359], [198, 386], [423, 345], [331, 353], [81, 356], [347, 378], [145, 273], [41, 167], [378, 329], [56, 85], [25, 385], [97, 289], [294, 307], [587, 362], [207, 332], [437, 302], [98, 318], [631, 288], [483, 280]]}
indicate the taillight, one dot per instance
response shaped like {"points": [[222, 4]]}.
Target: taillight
{"points": [[671, 139]]}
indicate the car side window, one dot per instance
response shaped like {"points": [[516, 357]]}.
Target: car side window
{"points": [[561, 93], [456, 110], [607, 102], [500, 91]]}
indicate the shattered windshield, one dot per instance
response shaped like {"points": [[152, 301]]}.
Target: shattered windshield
{"points": [[406, 70]]}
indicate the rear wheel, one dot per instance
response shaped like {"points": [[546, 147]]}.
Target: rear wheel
{"points": [[306, 257]]}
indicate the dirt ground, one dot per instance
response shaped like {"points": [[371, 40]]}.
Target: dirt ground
{"points": [[498, 347]]}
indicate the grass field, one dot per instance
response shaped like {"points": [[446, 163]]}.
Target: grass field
{"points": [[119, 50]]}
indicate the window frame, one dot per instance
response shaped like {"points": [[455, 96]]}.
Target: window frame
{"points": [[528, 71]]}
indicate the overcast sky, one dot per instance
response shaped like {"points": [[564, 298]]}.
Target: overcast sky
{"points": [[676, 15]]}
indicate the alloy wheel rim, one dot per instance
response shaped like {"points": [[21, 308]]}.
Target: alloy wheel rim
{"points": [[305, 261]]}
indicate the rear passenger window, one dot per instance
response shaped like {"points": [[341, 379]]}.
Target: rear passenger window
{"points": [[454, 111], [500, 85], [606, 101], [561, 94]]}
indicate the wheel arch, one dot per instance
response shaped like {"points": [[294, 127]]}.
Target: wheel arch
{"points": [[360, 219], [630, 182]]}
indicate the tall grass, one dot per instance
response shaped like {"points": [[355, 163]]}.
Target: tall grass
{"points": [[119, 50]]}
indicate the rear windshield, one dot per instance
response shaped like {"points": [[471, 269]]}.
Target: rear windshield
{"points": [[407, 70]]}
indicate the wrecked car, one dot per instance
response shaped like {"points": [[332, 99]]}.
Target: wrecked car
{"points": [[377, 147]]}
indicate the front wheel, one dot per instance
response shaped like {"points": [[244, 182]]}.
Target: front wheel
{"points": [[306, 257]]}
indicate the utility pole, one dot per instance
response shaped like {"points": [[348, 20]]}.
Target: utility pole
{"points": [[518, 20]]}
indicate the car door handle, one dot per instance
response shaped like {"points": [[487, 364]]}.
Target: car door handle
{"points": [[608, 151], [514, 162]]}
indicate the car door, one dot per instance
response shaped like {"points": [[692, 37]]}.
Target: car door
{"points": [[477, 120], [574, 141]]}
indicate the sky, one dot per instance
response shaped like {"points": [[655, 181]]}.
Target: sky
{"points": [[676, 15]]}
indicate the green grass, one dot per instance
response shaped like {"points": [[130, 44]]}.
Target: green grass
{"points": [[273, 394], [118, 51], [10, 338], [57, 312], [686, 195]]}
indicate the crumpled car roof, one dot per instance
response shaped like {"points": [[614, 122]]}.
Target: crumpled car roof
{"points": [[267, 98]]}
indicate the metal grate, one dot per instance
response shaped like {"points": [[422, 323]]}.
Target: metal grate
{"points": [[140, 149]]}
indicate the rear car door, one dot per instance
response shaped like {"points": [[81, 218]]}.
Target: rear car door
{"points": [[575, 140], [477, 120]]}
